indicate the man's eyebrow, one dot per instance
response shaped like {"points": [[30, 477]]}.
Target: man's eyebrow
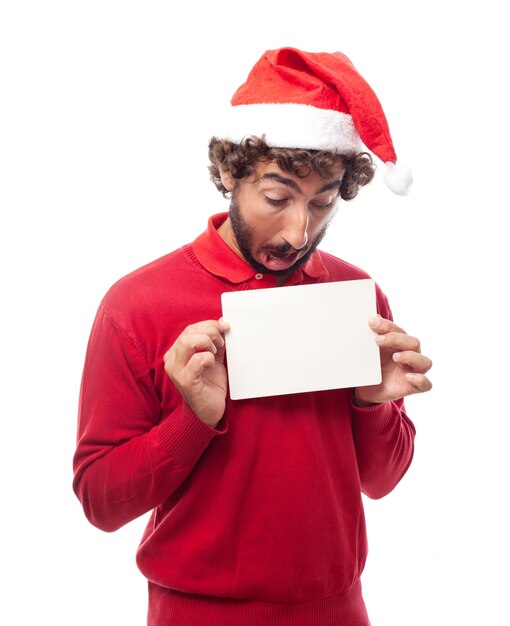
{"points": [[281, 179], [293, 185], [335, 184]]}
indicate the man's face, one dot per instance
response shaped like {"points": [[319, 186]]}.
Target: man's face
{"points": [[277, 219]]}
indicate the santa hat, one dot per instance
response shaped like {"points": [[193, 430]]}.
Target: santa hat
{"points": [[313, 100]]}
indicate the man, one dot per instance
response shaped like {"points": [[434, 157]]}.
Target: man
{"points": [[257, 511]]}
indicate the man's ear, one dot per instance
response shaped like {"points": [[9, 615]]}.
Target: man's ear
{"points": [[227, 179]]}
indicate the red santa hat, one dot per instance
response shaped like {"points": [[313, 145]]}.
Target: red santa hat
{"points": [[313, 100]]}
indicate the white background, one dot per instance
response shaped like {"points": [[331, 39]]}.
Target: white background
{"points": [[106, 109]]}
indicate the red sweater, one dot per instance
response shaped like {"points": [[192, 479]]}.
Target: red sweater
{"points": [[259, 521]]}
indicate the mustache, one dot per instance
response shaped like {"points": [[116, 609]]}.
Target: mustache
{"points": [[282, 249]]}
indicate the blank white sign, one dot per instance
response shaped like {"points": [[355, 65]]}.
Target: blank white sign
{"points": [[301, 338]]}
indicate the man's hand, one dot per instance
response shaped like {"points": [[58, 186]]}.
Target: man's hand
{"points": [[402, 364], [195, 363]]}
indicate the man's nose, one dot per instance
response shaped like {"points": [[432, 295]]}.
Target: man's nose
{"points": [[296, 229]]}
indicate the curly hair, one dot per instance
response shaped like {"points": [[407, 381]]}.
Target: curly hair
{"points": [[240, 159]]}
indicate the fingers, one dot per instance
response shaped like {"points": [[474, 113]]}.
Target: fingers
{"points": [[417, 362], [398, 341], [404, 350], [195, 366], [418, 366], [392, 336], [382, 325], [201, 338], [187, 345], [419, 382]]}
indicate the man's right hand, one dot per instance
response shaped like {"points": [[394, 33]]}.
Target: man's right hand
{"points": [[195, 363]]}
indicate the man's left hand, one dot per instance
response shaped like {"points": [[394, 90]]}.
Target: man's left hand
{"points": [[402, 364]]}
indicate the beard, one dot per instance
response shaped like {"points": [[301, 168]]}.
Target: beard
{"points": [[243, 235]]}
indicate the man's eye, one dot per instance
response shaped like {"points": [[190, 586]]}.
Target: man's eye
{"points": [[323, 206], [274, 202]]}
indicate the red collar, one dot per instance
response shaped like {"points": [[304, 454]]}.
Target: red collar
{"points": [[219, 259]]}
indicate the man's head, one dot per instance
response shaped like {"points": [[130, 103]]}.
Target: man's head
{"points": [[292, 144], [282, 200]]}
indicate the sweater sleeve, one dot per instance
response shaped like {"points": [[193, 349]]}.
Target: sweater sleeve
{"points": [[129, 458], [384, 438]]}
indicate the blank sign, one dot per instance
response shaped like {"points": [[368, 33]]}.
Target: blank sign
{"points": [[302, 338]]}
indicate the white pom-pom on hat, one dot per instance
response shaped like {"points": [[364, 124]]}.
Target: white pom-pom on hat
{"points": [[398, 178]]}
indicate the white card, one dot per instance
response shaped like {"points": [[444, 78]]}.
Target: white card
{"points": [[301, 338]]}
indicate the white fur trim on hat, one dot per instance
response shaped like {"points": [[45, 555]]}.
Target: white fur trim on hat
{"points": [[292, 126]]}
